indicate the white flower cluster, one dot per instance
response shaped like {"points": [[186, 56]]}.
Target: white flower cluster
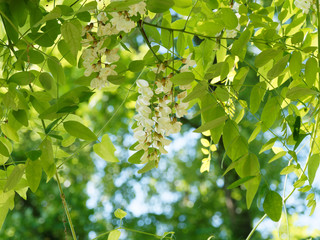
{"points": [[304, 5], [97, 58], [158, 109]]}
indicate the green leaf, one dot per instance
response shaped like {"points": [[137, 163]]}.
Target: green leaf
{"points": [[119, 213], [229, 18], [56, 69], [33, 174], [212, 124], [136, 66], [87, 7], [197, 92], [272, 206], [183, 78], [298, 92], [208, 28], [66, 52], [21, 116], [268, 145], [4, 147], [105, 149], [296, 128], [239, 78], [34, 154], [166, 34], [114, 235], [295, 63], [47, 81], [313, 166], [277, 156], [7, 144], [311, 71], [181, 43], [71, 32], [116, 79], [305, 189], [30, 56], [182, 3], [255, 132], [78, 130], [270, 113], [288, 169], [54, 14], [22, 78], [239, 46], [265, 56], [147, 167], [46, 158], [278, 67], [297, 37], [14, 178], [117, 6], [135, 158], [10, 132], [240, 181], [154, 6]]}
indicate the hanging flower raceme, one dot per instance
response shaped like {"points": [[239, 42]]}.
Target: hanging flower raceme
{"points": [[304, 5], [159, 106], [97, 58]]}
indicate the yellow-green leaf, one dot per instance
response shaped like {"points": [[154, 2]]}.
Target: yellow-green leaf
{"points": [[71, 32], [119, 213], [78, 130], [14, 177], [114, 235], [272, 206], [46, 158], [33, 174], [105, 149]]}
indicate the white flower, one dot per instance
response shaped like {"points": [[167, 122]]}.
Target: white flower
{"points": [[164, 111], [185, 87], [121, 22], [174, 128], [102, 17], [97, 83], [143, 110], [160, 68], [137, 8], [99, 49], [142, 83], [88, 40], [164, 86], [181, 109], [112, 55], [182, 95], [140, 135], [188, 63], [106, 30], [304, 5], [107, 71], [143, 100], [89, 54]]}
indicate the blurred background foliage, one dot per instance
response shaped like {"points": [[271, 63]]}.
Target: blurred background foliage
{"points": [[175, 197]]}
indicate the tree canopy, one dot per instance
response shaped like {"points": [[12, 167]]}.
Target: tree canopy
{"points": [[207, 108]]}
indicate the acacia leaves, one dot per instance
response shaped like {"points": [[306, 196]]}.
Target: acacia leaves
{"points": [[78, 130], [105, 149], [71, 32], [272, 205]]}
